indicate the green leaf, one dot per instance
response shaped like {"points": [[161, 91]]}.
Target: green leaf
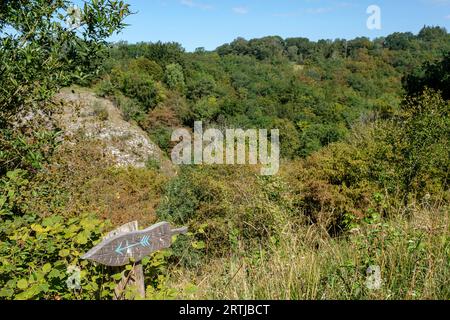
{"points": [[46, 268], [38, 228], [117, 276], [2, 201], [6, 293], [22, 284], [64, 253], [54, 274], [198, 245], [81, 238]]}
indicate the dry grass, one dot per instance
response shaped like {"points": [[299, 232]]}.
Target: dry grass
{"points": [[413, 254], [81, 178]]}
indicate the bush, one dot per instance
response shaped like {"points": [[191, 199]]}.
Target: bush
{"points": [[138, 86], [39, 254], [236, 204], [131, 109], [420, 137], [149, 67], [29, 151], [174, 77]]}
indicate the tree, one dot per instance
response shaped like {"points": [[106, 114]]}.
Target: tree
{"points": [[432, 34], [289, 137], [47, 44], [174, 77], [432, 75], [420, 138], [399, 41], [147, 66], [138, 86]]}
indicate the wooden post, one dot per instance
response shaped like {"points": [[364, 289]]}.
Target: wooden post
{"points": [[129, 244], [136, 275]]}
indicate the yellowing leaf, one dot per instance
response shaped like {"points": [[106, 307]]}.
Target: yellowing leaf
{"points": [[81, 238], [198, 245], [38, 228], [46, 268], [22, 284], [64, 253]]}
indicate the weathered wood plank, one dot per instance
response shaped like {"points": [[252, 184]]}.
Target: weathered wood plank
{"points": [[135, 278], [120, 249]]}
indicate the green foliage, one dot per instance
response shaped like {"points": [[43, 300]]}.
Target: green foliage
{"points": [[181, 202], [147, 66], [433, 76], [174, 77], [37, 256], [406, 255], [226, 199], [422, 143], [368, 157], [161, 53], [131, 109], [11, 185], [201, 85], [153, 164], [321, 89], [104, 88], [139, 86], [289, 137], [162, 137], [26, 150], [40, 51], [37, 252], [205, 109]]}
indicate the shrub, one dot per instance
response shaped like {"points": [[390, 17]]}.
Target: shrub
{"points": [[38, 253], [94, 185], [174, 77], [420, 139], [236, 204], [29, 151], [131, 109], [138, 86], [149, 67]]}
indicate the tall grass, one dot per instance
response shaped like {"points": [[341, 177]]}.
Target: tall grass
{"points": [[305, 263]]}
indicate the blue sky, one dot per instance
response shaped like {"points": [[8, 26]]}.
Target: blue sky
{"points": [[210, 23]]}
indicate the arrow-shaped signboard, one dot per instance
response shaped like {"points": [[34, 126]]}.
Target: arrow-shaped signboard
{"points": [[120, 249]]}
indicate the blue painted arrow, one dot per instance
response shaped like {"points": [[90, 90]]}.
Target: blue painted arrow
{"points": [[144, 242]]}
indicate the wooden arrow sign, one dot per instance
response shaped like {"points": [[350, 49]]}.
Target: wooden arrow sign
{"points": [[119, 250]]}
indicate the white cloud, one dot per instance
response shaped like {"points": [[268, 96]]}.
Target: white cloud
{"points": [[240, 10], [193, 4]]}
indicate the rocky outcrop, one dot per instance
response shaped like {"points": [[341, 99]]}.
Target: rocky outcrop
{"points": [[99, 119]]}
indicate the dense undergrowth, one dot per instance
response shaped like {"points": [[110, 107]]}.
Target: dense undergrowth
{"points": [[364, 179]]}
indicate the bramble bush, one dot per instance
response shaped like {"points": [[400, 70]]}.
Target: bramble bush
{"points": [[37, 254]]}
